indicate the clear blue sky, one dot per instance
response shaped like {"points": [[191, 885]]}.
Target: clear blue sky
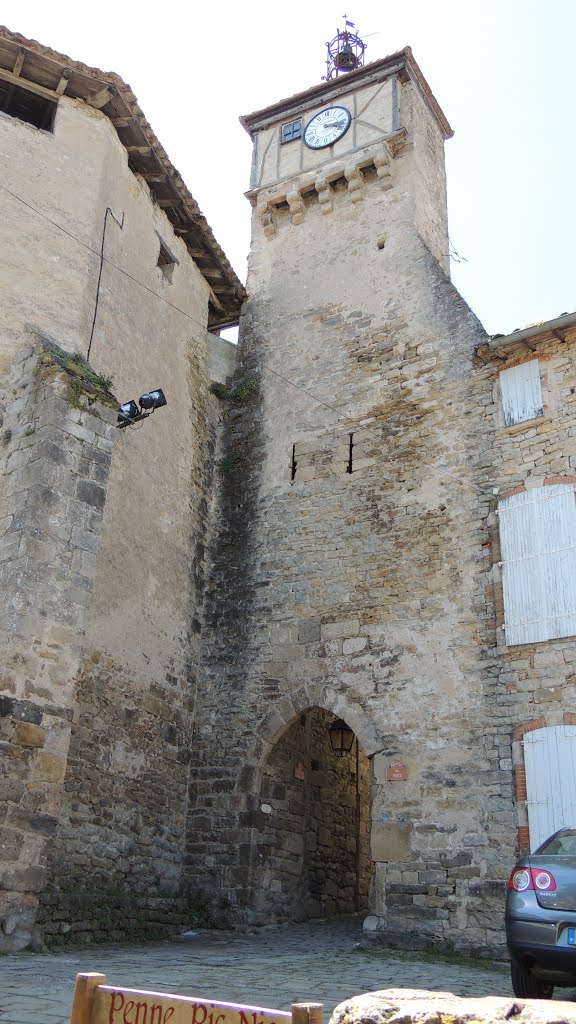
{"points": [[502, 70]]}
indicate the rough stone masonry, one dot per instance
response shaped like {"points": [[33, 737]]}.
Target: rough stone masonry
{"points": [[198, 616]]}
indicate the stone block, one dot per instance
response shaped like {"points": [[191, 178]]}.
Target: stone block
{"points": [[23, 879], [354, 645], [28, 735], [91, 494], [309, 629], [391, 841], [335, 630], [48, 767]]}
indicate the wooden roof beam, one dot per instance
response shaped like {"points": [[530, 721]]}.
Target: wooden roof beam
{"points": [[102, 97], [19, 61], [25, 83], [212, 272], [61, 87], [123, 122]]}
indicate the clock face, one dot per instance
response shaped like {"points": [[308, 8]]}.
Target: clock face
{"points": [[327, 127]]}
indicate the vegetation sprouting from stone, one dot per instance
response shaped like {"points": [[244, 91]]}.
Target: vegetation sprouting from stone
{"points": [[231, 462], [245, 391], [85, 385]]}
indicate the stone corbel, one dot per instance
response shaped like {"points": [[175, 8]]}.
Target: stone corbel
{"points": [[296, 204], [324, 195], [383, 170], [264, 211], [354, 178]]}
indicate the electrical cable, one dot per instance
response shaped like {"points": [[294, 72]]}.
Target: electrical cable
{"points": [[326, 405]]}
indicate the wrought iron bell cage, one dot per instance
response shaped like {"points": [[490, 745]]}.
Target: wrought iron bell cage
{"points": [[345, 52]]}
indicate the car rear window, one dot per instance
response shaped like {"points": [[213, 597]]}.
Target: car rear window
{"points": [[564, 844]]}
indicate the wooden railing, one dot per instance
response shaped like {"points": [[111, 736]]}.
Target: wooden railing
{"points": [[95, 1002]]}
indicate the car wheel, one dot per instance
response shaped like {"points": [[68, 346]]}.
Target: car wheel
{"points": [[525, 984]]}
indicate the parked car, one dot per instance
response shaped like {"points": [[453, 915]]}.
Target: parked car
{"points": [[541, 917]]}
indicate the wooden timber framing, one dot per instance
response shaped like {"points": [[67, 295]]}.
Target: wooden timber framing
{"points": [[95, 1002], [49, 74]]}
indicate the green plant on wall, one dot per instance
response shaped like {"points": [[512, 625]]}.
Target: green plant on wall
{"points": [[245, 391], [85, 385]]}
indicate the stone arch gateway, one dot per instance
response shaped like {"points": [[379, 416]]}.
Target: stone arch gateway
{"points": [[311, 856]]}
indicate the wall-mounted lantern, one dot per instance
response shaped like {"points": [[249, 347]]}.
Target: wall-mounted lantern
{"points": [[341, 736]]}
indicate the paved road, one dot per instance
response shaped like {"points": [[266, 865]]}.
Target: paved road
{"points": [[311, 962]]}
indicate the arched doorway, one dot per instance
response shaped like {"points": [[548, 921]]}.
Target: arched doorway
{"points": [[312, 855]]}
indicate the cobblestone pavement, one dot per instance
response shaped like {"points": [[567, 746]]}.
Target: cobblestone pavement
{"points": [[311, 962]]}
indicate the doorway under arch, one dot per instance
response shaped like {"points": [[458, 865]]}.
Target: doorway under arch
{"points": [[312, 856]]}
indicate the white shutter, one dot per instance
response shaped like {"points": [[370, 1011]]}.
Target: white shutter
{"points": [[550, 763], [521, 392], [538, 544]]}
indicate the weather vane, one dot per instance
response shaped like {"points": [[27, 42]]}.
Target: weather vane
{"points": [[345, 51]]}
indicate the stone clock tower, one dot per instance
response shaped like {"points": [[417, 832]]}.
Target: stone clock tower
{"points": [[341, 704]]}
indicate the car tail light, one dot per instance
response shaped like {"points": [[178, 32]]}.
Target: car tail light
{"points": [[523, 879], [543, 880]]}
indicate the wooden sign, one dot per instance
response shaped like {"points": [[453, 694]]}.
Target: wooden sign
{"points": [[98, 1003], [396, 772]]}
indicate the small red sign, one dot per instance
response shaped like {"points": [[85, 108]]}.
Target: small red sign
{"points": [[396, 772]]}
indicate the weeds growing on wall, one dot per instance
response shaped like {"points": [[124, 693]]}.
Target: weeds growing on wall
{"points": [[245, 391], [85, 385]]}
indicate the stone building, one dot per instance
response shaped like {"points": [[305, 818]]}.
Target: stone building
{"points": [[102, 554], [367, 537]]}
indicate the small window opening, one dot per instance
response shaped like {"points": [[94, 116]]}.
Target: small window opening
{"points": [[27, 106], [294, 463], [291, 131], [309, 195], [350, 449], [369, 172], [340, 184], [166, 262]]}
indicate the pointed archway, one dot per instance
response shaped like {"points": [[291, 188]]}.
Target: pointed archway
{"points": [[311, 855]]}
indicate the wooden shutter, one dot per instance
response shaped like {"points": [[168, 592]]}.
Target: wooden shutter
{"points": [[521, 392], [538, 544], [550, 762]]}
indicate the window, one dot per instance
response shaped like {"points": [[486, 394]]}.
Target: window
{"points": [[291, 131], [521, 392], [538, 545], [549, 761], [166, 261], [27, 106]]}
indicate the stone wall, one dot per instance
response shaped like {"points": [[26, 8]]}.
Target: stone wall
{"points": [[362, 590], [125, 682], [528, 686], [55, 463]]}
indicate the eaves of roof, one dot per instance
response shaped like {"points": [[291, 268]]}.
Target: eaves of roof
{"points": [[51, 74], [402, 63], [528, 339]]}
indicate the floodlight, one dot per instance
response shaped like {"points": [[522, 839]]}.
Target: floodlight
{"points": [[128, 411], [153, 400]]}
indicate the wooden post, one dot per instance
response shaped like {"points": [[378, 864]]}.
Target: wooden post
{"points": [[86, 985], [307, 1013]]}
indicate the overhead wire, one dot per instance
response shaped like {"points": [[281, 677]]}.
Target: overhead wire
{"points": [[268, 369]]}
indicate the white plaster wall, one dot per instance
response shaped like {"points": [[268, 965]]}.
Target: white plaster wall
{"points": [[48, 280]]}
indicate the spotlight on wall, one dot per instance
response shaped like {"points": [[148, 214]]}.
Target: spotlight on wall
{"points": [[153, 400], [341, 736], [129, 413]]}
